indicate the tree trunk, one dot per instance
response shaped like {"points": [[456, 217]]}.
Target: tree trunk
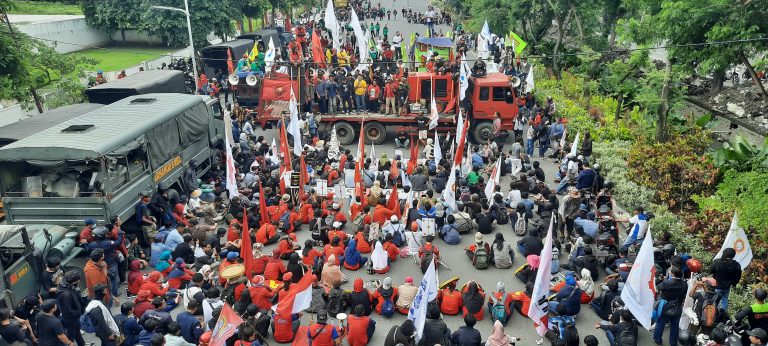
{"points": [[619, 105], [250, 25], [661, 124], [718, 77], [38, 100], [752, 73], [579, 26], [556, 52]]}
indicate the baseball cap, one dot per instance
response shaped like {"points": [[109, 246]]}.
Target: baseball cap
{"points": [[759, 333], [322, 316]]}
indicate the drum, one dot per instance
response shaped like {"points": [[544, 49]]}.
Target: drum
{"points": [[233, 271], [342, 317]]}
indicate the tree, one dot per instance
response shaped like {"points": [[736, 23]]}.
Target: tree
{"points": [[27, 65], [113, 15], [207, 17]]}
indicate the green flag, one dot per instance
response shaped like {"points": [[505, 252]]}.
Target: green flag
{"points": [[518, 43]]}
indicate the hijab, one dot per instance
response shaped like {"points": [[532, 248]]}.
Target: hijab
{"points": [[376, 189], [379, 257], [162, 263], [473, 300], [351, 255], [383, 160], [498, 338], [331, 274], [586, 284]]}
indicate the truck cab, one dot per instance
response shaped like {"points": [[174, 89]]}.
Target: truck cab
{"points": [[491, 94]]}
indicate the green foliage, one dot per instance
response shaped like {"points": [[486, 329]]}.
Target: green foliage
{"points": [[612, 159], [44, 7], [745, 192], [69, 91], [676, 169], [740, 155], [207, 17], [112, 15]]}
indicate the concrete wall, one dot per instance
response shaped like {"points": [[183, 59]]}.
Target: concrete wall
{"points": [[136, 37], [70, 34]]}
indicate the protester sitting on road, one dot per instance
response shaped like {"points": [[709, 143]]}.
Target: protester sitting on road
{"points": [[467, 334], [530, 244], [406, 292], [569, 296], [500, 304], [503, 255], [436, 332], [620, 333], [360, 296], [473, 298], [499, 337], [480, 252]]}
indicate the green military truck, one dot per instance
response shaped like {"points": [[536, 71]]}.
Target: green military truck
{"points": [[95, 165]]}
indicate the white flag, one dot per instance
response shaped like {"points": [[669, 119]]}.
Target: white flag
{"points": [[483, 39], [562, 139], [459, 127], [293, 126], [274, 158], [529, 80], [493, 180], [575, 146], [438, 151], [737, 240], [537, 311], [463, 78], [434, 116], [361, 37], [231, 179], [269, 56], [639, 290], [333, 25], [449, 192], [427, 292]]}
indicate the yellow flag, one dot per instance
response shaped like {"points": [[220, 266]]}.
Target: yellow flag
{"points": [[254, 52]]}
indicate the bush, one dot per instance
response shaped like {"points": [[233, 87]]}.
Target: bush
{"points": [[613, 166], [744, 192], [676, 170]]}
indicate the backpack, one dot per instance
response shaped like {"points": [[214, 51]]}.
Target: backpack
{"points": [[498, 310], [397, 238], [334, 305], [709, 313], [228, 294], [315, 229], [503, 216], [570, 333], [358, 220], [626, 338], [521, 227], [285, 223], [387, 307], [86, 323], [480, 259]]}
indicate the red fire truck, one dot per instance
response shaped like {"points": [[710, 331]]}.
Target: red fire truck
{"points": [[487, 95]]}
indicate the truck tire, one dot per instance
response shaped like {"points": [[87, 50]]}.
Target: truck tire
{"points": [[375, 133], [345, 133], [482, 132]]}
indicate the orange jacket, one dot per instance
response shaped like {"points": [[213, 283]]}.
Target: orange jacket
{"points": [[94, 275], [450, 302]]}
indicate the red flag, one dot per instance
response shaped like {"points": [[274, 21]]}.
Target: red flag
{"points": [[303, 177], [246, 249], [360, 164], [263, 206], [394, 202], [460, 148], [394, 172], [413, 160], [284, 148], [226, 325], [230, 62], [317, 50], [297, 299]]}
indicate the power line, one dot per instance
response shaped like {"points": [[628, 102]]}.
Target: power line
{"points": [[536, 56]]}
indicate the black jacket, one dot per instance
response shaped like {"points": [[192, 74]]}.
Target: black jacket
{"points": [[673, 289], [396, 336], [466, 336], [363, 298], [435, 332], [726, 272], [102, 328], [70, 302], [590, 262]]}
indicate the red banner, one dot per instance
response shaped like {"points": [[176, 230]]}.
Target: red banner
{"points": [[225, 327]]}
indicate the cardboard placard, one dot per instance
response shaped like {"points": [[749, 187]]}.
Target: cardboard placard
{"points": [[374, 233], [428, 227], [322, 188], [422, 134]]}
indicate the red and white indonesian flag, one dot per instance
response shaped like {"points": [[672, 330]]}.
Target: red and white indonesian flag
{"points": [[539, 303], [226, 326], [293, 126], [737, 240], [493, 180], [231, 179], [640, 288], [298, 298]]}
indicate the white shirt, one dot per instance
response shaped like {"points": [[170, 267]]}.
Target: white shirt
{"points": [[530, 133], [396, 41], [643, 224], [430, 14], [414, 242], [208, 307]]}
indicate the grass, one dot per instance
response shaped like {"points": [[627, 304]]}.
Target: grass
{"points": [[117, 58], [43, 7]]}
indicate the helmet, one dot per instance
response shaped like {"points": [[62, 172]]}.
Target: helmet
{"points": [[100, 232], [596, 166], [685, 338], [668, 249], [608, 184], [693, 264]]}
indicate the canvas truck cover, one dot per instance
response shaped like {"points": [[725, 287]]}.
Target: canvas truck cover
{"points": [[145, 82], [32, 125]]}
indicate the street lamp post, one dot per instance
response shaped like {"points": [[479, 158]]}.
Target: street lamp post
{"points": [[189, 30]]}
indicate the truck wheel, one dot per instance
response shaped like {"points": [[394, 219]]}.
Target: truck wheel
{"points": [[375, 133], [482, 132], [345, 133]]}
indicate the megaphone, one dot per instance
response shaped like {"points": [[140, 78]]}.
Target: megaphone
{"points": [[515, 81], [251, 80], [233, 79]]}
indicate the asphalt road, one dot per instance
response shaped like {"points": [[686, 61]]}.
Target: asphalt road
{"points": [[452, 255]]}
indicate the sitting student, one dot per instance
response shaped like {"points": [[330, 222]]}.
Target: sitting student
{"points": [[521, 300], [569, 296], [562, 328], [450, 231], [353, 260], [450, 299], [500, 304], [135, 277], [180, 276], [379, 259], [602, 304], [362, 242], [479, 252]]}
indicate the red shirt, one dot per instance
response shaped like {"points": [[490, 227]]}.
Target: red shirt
{"points": [[322, 334], [389, 90], [266, 231], [380, 299], [362, 244], [306, 213], [332, 175], [340, 234], [283, 332], [259, 264], [381, 214], [507, 302], [338, 251], [261, 296], [309, 259], [285, 247], [274, 269], [521, 297], [358, 330], [450, 302], [392, 250], [373, 92]]}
